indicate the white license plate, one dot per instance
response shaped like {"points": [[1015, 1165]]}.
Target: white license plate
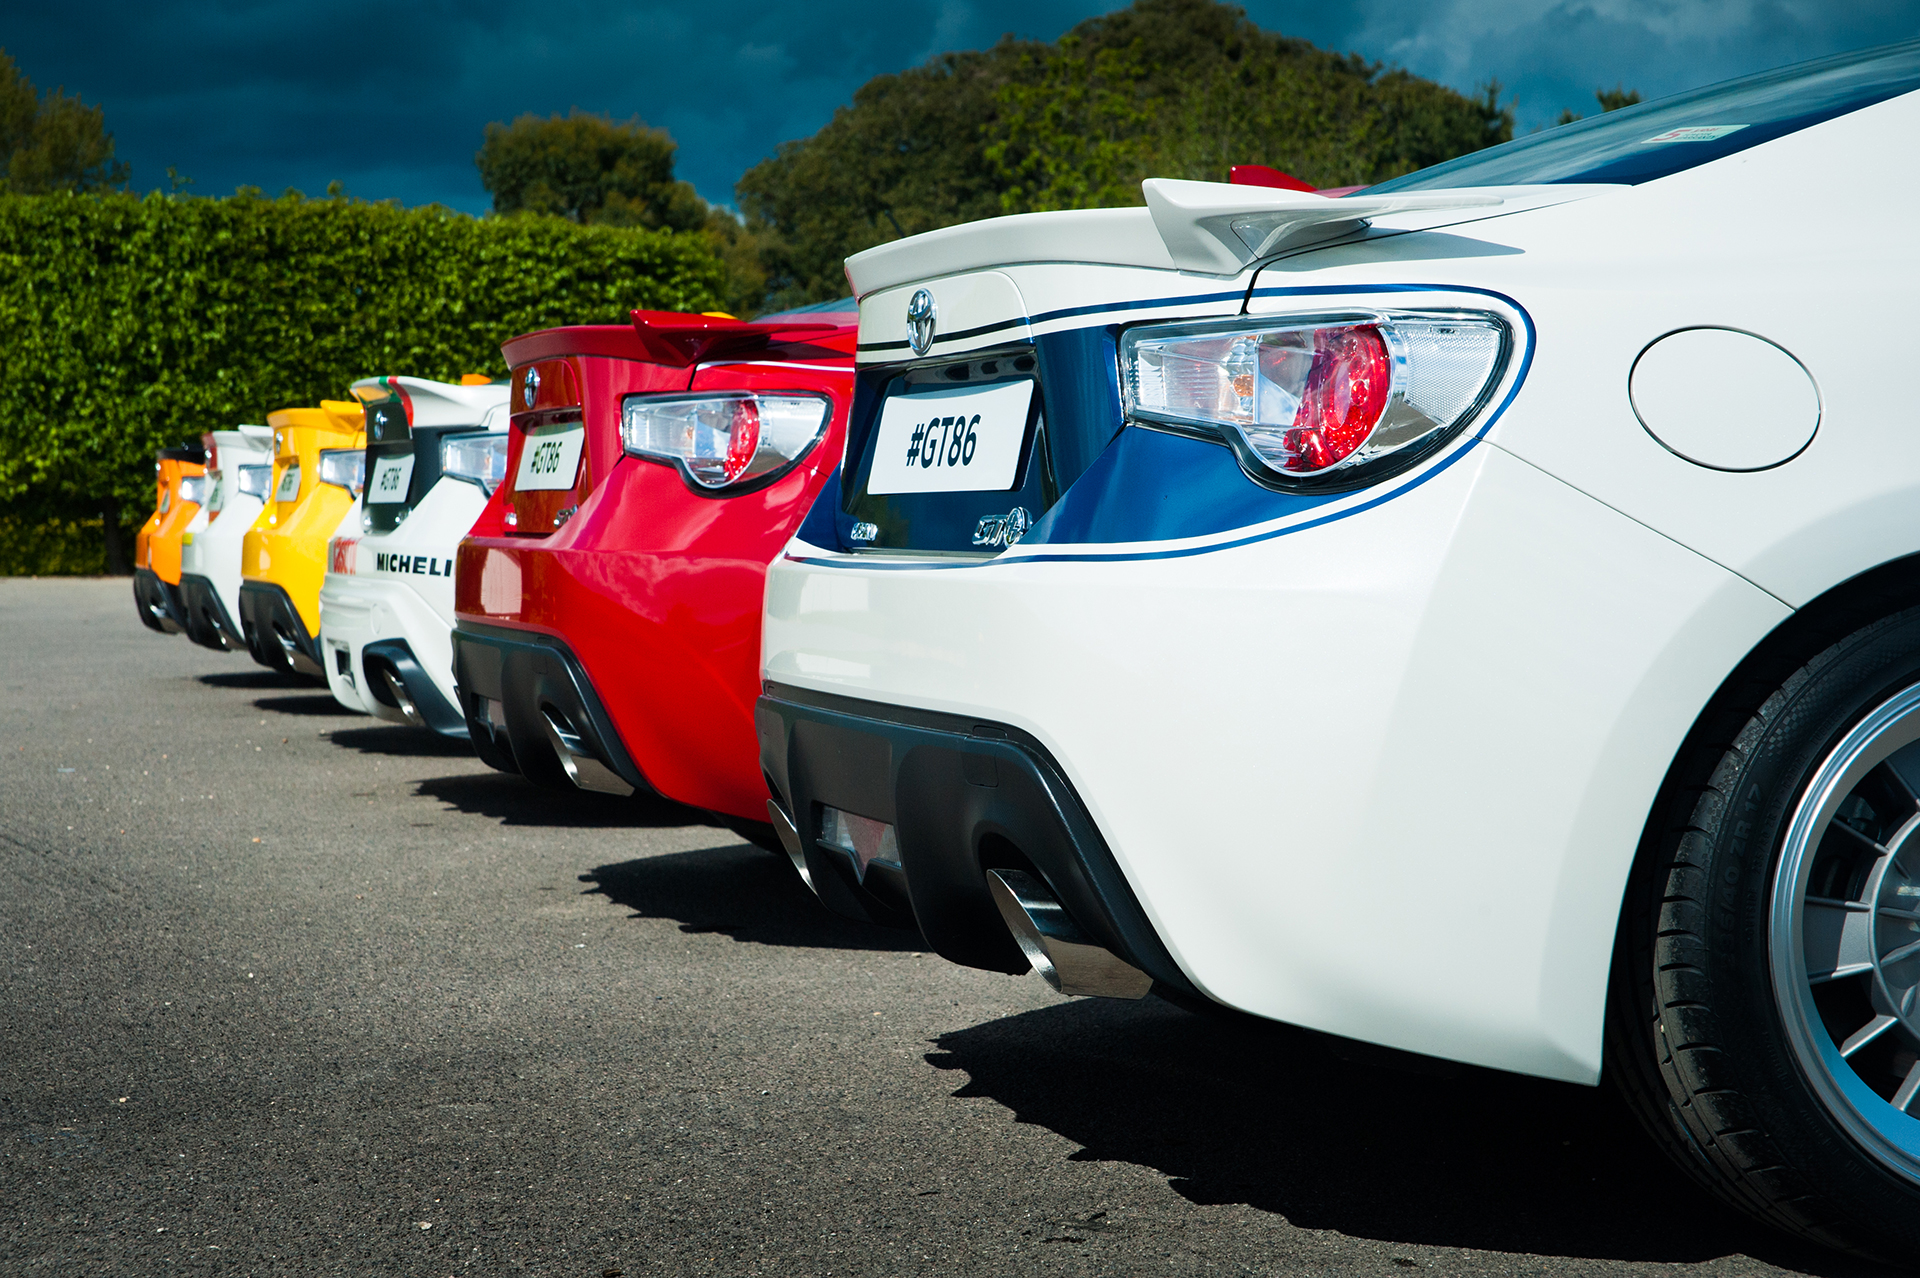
{"points": [[390, 478], [951, 439], [289, 484], [550, 460]]}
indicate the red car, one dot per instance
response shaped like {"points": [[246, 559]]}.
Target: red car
{"points": [[608, 598]]}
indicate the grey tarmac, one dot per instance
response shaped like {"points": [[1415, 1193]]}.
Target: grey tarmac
{"points": [[291, 991]]}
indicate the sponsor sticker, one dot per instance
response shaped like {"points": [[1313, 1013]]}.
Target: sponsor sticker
{"points": [[1693, 133], [412, 565], [951, 439]]}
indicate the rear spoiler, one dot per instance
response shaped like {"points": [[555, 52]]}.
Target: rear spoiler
{"points": [[678, 339], [1220, 228], [191, 451], [1212, 228], [675, 337]]}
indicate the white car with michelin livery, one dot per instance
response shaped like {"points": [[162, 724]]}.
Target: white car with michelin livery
{"points": [[435, 451], [1479, 615], [239, 468]]}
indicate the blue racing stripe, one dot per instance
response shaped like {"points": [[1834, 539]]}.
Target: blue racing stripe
{"points": [[1148, 485]]}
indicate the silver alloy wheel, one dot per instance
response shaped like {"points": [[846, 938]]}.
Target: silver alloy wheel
{"points": [[1844, 933]]}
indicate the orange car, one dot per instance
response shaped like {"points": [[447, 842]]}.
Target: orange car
{"points": [[180, 481]]}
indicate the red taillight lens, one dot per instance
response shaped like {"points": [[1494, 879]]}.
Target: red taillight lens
{"points": [[1304, 398], [724, 439], [744, 438], [1343, 400]]}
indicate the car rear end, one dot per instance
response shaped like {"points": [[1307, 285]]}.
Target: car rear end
{"points": [[435, 452], [317, 461], [239, 476], [609, 598], [180, 489], [1217, 635]]}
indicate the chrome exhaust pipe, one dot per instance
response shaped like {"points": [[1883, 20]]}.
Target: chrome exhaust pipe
{"points": [[1070, 960], [583, 768], [790, 840], [400, 697]]}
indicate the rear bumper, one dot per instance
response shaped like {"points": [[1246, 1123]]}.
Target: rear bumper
{"points": [[274, 633], [397, 687], [1381, 776], [530, 708], [964, 796], [158, 602], [208, 622], [388, 652]]}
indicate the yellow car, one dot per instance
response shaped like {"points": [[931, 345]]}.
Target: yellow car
{"points": [[319, 454], [180, 487]]}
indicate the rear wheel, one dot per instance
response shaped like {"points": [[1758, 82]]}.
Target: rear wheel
{"points": [[1763, 1012]]}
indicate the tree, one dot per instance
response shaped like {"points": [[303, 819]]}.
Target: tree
{"points": [[1188, 88], [905, 156], [1172, 88], [588, 168], [52, 142], [1609, 99]]}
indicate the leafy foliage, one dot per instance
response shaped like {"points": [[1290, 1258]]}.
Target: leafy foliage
{"points": [[907, 156], [1169, 88], [590, 169], [52, 142], [132, 323], [1188, 88], [587, 168]]}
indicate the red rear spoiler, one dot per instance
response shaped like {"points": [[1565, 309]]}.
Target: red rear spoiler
{"points": [[674, 337], [678, 338]]}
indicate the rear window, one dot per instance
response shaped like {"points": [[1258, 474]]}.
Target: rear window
{"points": [[818, 311], [1640, 143]]}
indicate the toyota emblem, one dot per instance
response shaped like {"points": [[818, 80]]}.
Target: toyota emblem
{"points": [[532, 387], [920, 313]]}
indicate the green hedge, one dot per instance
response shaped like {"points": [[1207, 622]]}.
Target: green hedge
{"points": [[131, 323]]}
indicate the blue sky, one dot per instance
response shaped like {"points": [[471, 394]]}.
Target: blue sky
{"points": [[391, 99]]}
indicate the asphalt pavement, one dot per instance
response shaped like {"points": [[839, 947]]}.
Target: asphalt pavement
{"points": [[292, 991]]}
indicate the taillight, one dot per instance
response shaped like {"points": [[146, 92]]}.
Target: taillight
{"points": [[1316, 400], [480, 459], [254, 479], [343, 468], [728, 440]]}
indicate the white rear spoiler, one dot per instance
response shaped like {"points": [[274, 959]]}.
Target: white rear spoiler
{"points": [[445, 403], [1212, 228], [1219, 229]]}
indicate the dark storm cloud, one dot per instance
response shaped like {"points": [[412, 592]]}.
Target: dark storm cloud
{"points": [[391, 99]]}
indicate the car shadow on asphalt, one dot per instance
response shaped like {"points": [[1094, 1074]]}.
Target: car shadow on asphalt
{"points": [[1236, 1111], [384, 737], [748, 893], [513, 800], [304, 705], [257, 677]]}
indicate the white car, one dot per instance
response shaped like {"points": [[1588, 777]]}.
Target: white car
{"points": [[1476, 616], [239, 466], [434, 452]]}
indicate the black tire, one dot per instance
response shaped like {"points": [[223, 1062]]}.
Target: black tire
{"points": [[1697, 1039]]}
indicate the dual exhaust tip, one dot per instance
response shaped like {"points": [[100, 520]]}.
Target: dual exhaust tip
{"points": [[1070, 960], [583, 767], [1059, 949]]}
